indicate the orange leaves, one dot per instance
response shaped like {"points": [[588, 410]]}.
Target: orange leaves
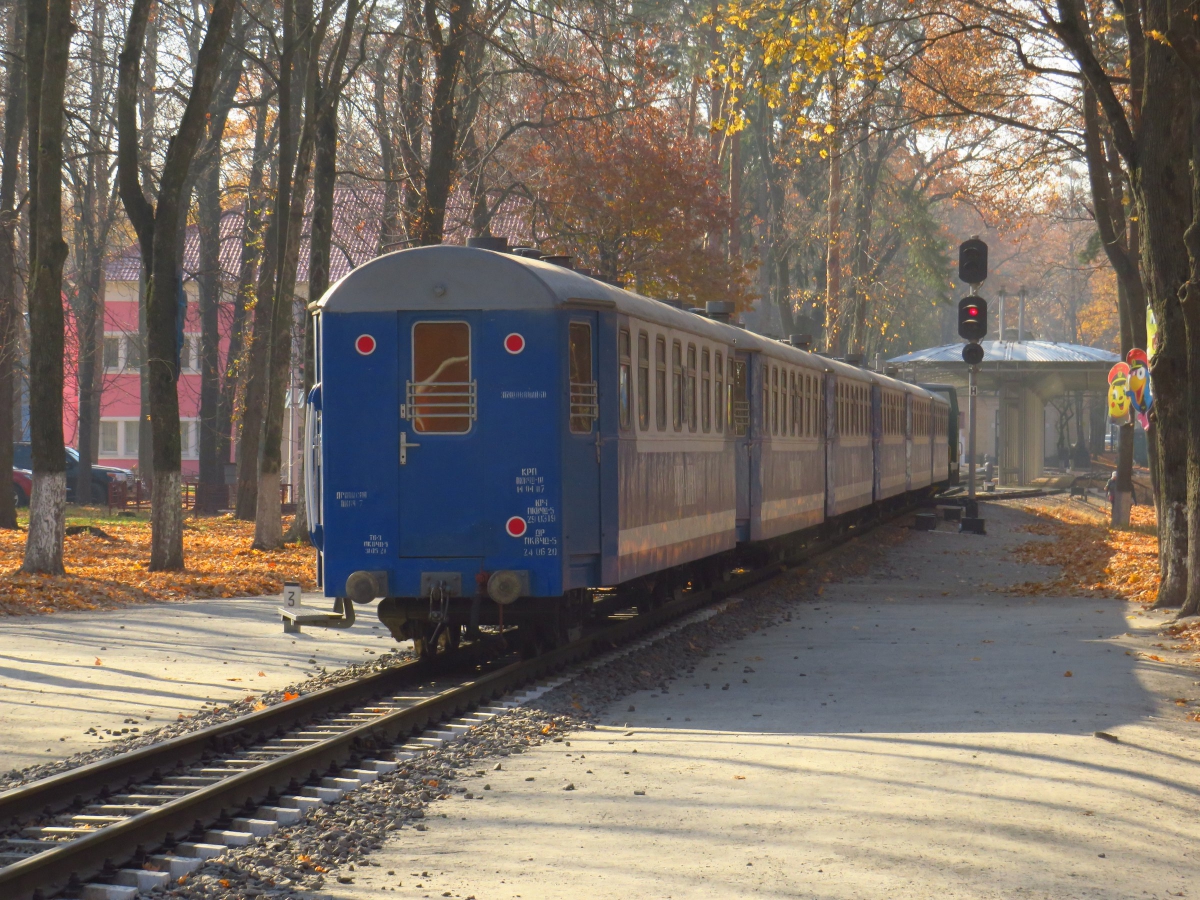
{"points": [[224, 882], [1094, 558], [102, 574], [289, 695], [431, 782], [1067, 674], [97, 662]]}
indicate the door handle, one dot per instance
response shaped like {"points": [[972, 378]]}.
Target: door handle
{"points": [[404, 445]]}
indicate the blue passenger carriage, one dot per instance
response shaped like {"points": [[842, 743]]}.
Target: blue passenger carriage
{"points": [[492, 438]]}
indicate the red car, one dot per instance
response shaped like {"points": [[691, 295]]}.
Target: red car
{"points": [[22, 486]]}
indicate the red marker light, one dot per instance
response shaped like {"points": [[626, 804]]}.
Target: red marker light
{"points": [[972, 311], [514, 343], [515, 526], [364, 344]]}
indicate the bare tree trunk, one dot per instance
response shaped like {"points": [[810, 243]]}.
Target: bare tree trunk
{"points": [[158, 230], [443, 125], [235, 362], [49, 40], [149, 104], [208, 200], [14, 128]]}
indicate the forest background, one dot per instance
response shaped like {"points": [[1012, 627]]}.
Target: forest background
{"points": [[816, 162]]}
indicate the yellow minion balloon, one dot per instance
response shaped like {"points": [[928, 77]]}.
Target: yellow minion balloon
{"points": [[1118, 393]]}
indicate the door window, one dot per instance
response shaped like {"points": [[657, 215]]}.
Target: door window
{"points": [[582, 383], [739, 398], [705, 390], [441, 395]]}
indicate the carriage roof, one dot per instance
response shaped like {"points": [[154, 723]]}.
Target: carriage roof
{"points": [[449, 277]]}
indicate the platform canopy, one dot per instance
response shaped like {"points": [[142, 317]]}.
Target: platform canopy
{"points": [[1016, 381], [1050, 368]]}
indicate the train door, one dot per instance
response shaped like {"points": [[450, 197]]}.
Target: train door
{"points": [[739, 427], [831, 426], [582, 450], [441, 450], [876, 442]]}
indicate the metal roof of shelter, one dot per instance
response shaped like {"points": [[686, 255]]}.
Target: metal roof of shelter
{"points": [[1049, 367]]}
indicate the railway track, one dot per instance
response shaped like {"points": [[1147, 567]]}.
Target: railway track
{"points": [[85, 833]]}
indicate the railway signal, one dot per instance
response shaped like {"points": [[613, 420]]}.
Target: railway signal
{"points": [[972, 327], [972, 318]]}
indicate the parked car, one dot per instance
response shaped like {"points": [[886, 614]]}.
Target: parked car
{"points": [[102, 476], [22, 486]]}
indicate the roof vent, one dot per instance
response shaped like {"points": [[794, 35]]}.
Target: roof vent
{"points": [[527, 252], [719, 310], [891, 371], [854, 359], [489, 242], [559, 260], [802, 341], [698, 311]]}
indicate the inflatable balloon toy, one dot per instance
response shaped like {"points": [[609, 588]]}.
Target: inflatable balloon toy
{"points": [[1140, 395], [1119, 403]]}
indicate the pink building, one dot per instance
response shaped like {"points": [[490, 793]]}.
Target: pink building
{"points": [[356, 240]]}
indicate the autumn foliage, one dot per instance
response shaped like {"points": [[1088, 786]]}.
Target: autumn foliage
{"points": [[1094, 558], [103, 572], [625, 186]]}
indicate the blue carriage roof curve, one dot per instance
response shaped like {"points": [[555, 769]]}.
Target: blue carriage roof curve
{"points": [[469, 278]]}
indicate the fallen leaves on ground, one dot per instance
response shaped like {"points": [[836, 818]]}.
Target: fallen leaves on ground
{"points": [[1093, 557], [103, 573]]}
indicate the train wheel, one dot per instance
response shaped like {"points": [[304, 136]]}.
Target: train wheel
{"points": [[430, 642]]}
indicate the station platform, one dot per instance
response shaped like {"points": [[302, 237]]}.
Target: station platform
{"points": [[930, 729]]}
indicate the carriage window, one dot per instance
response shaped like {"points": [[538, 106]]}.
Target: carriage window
{"points": [[582, 387], [795, 406], [705, 391], [441, 395], [719, 398], [739, 398], [626, 380], [643, 381], [774, 400], [677, 385], [766, 403], [660, 383], [689, 398]]}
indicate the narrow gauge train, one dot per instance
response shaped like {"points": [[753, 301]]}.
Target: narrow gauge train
{"points": [[499, 439]]}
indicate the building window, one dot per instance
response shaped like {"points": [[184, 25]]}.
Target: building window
{"points": [[118, 438], [643, 381], [109, 435], [130, 432], [660, 383], [626, 379], [187, 438], [189, 354], [112, 352]]}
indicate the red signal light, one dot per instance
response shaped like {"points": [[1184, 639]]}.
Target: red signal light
{"points": [[973, 311]]}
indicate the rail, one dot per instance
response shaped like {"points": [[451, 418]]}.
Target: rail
{"points": [[256, 754]]}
